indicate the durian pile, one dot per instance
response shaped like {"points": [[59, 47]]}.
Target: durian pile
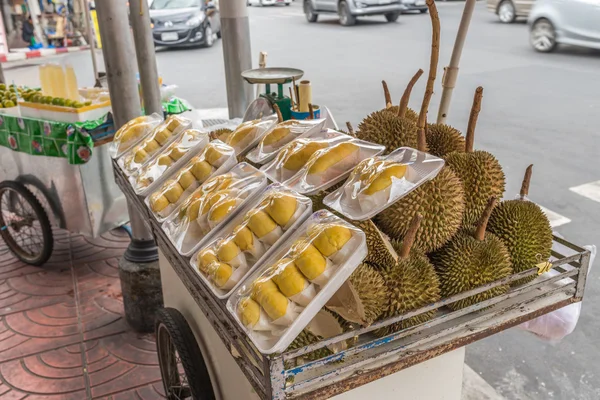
{"points": [[245, 135], [163, 201], [247, 238], [132, 132]]}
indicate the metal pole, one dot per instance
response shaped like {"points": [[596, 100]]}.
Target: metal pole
{"points": [[34, 11], [235, 29], [146, 57], [90, 36], [451, 71], [2, 79], [138, 268]]}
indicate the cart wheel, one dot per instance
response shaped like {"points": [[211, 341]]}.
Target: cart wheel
{"points": [[24, 224], [184, 373]]}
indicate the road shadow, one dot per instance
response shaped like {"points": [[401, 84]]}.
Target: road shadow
{"points": [[583, 52]]}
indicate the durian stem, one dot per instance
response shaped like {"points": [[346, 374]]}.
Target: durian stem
{"points": [[526, 182], [350, 128], [278, 111], [406, 95], [386, 93], [435, 54], [410, 236], [292, 97], [485, 217], [421, 140], [470, 139], [311, 111]]}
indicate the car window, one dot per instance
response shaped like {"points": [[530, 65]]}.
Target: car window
{"points": [[173, 4]]}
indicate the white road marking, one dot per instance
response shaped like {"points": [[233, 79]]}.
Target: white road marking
{"points": [[555, 218], [590, 190]]}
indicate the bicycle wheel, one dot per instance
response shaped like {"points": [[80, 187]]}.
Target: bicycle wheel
{"points": [[24, 224]]}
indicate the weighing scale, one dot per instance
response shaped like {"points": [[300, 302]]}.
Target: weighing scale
{"points": [[269, 76]]}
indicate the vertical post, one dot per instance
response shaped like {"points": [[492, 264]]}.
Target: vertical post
{"points": [[138, 268], [236, 54], [90, 37], [146, 58], [451, 71], [2, 79], [34, 11]]}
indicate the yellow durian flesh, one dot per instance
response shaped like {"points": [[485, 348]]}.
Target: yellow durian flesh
{"points": [[298, 157], [204, 259], [165, 160], [241, 132], [151, 146], [260, 223], [289, 279], [309, 260], [275, 135], [220, 273], [211, 199], [131, 132], [212, 154], [186, 179], [193, 209], [162, 136], [173, 191], [331, 239], [227, 250], [281, 207], [158, 202], [173, 123], [140, 156], [201, 170], [177, 153], [331, 156], [270, 299], [244, 238], [249, 311], [222, 210], [383, 179]]}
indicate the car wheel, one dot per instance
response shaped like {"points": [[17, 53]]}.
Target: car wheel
{"points": [[346, 18], [424, 11], [543, 36], [506, 12], [219, 35], [287, 4], [311, 15], [392, 17], [208, 36]]}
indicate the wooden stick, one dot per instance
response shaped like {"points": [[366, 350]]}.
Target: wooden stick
{"points": [[526, 182], [296, 92], [470, 139], [311, 111], [386, 93], [433, 63], [485, 217], [292, 96], [350, 128], [406, 95], [410, 236], [278, 111]]}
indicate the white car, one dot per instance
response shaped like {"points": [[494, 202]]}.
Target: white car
{"points": [[268, 2]]}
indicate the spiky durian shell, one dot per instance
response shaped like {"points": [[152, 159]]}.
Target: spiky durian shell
{"points": [[317, 199], [218, 132], [440, 202], [410, 113], [386, 128], [482, 178], [381, 253], [306, 338], [372, 291], [466, 263], [412, 284], [526, 232], [443, 139]]}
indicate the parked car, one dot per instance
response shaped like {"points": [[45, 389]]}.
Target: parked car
{"points": [[414, 5], [574, 22], [349, 10], [184, 22], [263, 3], [509, 10]]}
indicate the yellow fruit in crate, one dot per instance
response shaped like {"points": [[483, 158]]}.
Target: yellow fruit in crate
{"points": [[281, 208], [131, 133], [176, 153], [140, 156], [173, 191], [186, 180], [383, 179], [241, 133], [222, 210], [193, 209], [173, 123], [151, 146], [212, 155], [270, 298], [201, 170], [310, 261], [211, 199], [165, 160], [158, 202], [331, 239], [276, 135], [220, 273], [332, 156], [296, 159], [288, 278], [162, 136], [250, 311], [227, 250], [204, 259]]}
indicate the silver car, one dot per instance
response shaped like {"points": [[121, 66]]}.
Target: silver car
{"points": [[573, 22], [349, 10], [509, 10]]}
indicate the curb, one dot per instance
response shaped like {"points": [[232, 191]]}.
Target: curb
{"points": [[39, 53]]}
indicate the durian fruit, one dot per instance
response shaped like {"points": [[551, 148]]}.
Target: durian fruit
{"points": [[265, 229], [221, 210], [292, 283], [331, 241], [443, 139], [140, 156], [187, 180], [229, 252], [248, 242], [381, 252], [220, 273], [280, 135], [479, 171], [243, 135], [283, 208], [391, 127], [332, 162], [281, 310], [210, 200], [173, 122], [378, 183], [213, 156], [220, 134], [524, 229], [173, 191], [204, 259], [131, 131], [409, 112], [473, 258], [201, 170], [252, 316], [317, 199], [193, 209], [313, 265], [165, 160], [176, 153], [162, 136], [158, 202], [296, 156], [412, 283]]}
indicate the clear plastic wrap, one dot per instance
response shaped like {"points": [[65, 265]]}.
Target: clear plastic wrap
{"points": [[151, 174], [378, 182], [281, 134], [211, 206], [289, 288], [216, 158], [247, 134], [308, 165], [273, 216], [132, 133], [165, 133]]}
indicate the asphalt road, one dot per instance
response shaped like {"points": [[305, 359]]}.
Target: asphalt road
{"points": [[538, 108]]}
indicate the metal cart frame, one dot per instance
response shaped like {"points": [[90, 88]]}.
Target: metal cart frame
{"points": [[277, 376]]}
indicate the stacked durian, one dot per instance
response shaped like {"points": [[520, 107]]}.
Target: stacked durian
{"points": [[294, 156], [196, 171], [131, 132], [260, 229], [246, 133]]}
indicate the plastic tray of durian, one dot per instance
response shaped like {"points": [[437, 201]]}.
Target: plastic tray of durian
{"points": [[281, 134], [216, 158], [245, 136], [160, 137], [285, 292], [132, 133], [250, 237], [378, 182], [171, 158], [211, 206]]}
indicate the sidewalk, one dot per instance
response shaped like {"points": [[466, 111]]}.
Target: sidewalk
{"points": [[25, 55], [62, 332]]}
